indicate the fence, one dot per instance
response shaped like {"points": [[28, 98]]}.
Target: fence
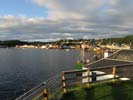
{"points": [[62, 82], [45, 90]]}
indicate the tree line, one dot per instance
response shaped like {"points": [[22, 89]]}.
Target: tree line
{"points": [[124, 40]]}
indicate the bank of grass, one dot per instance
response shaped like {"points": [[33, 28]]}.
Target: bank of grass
{"points": [[102, 91]]}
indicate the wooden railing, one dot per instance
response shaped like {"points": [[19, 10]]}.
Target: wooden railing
{"points": [[62, 82], [45, 90]]}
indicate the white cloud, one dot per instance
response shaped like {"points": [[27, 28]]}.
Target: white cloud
{"points": [[75, 9], [72, 19]]}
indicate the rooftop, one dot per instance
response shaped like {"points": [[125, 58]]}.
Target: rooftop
{"points": [[122, 57]]}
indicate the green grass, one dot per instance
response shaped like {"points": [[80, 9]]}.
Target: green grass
{"points": [[102, 91]]}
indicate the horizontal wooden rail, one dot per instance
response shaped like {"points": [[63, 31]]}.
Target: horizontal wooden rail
{"points": [[64, 80], [74, 71]]}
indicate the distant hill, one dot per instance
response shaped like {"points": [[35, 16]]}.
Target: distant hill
{"points": [[126, 40], [11, 43]]}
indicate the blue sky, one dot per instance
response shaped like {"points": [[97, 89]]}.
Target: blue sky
{"points": [[65, 19], [22, 7]]}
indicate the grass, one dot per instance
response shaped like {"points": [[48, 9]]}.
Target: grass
{"points": [[102, 91]]}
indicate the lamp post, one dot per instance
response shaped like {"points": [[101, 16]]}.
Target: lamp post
{"points": [[83, 53]]}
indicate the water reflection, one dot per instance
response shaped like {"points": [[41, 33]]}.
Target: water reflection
{"points": [[22, 69]]}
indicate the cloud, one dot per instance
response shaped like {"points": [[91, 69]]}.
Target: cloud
{"points": [[103, 16], [65, 9], [73, 9], [71, 19]]}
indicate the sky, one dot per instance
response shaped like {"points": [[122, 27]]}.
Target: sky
{"points": [[48, 20]]}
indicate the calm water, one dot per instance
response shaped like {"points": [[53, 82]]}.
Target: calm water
{"points": [[22, 69]]}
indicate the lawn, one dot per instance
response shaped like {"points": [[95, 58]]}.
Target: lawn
{"points": [[102, 91]]}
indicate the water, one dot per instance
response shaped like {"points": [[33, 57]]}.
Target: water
{"points": [[22, 69]]}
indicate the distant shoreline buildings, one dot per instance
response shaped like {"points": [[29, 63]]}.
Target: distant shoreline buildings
{"points": [[77, 46], [110, 43]]}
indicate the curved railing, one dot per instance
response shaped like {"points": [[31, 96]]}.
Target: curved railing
{"points": [[65, 80], [47, 89]]}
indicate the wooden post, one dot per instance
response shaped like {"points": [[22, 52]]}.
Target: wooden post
{"points": [[88, 78], [45, 94], [64, 83], [114, 73]]}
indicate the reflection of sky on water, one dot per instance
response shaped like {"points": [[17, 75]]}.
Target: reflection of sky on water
{"points": [[21, 69]]}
